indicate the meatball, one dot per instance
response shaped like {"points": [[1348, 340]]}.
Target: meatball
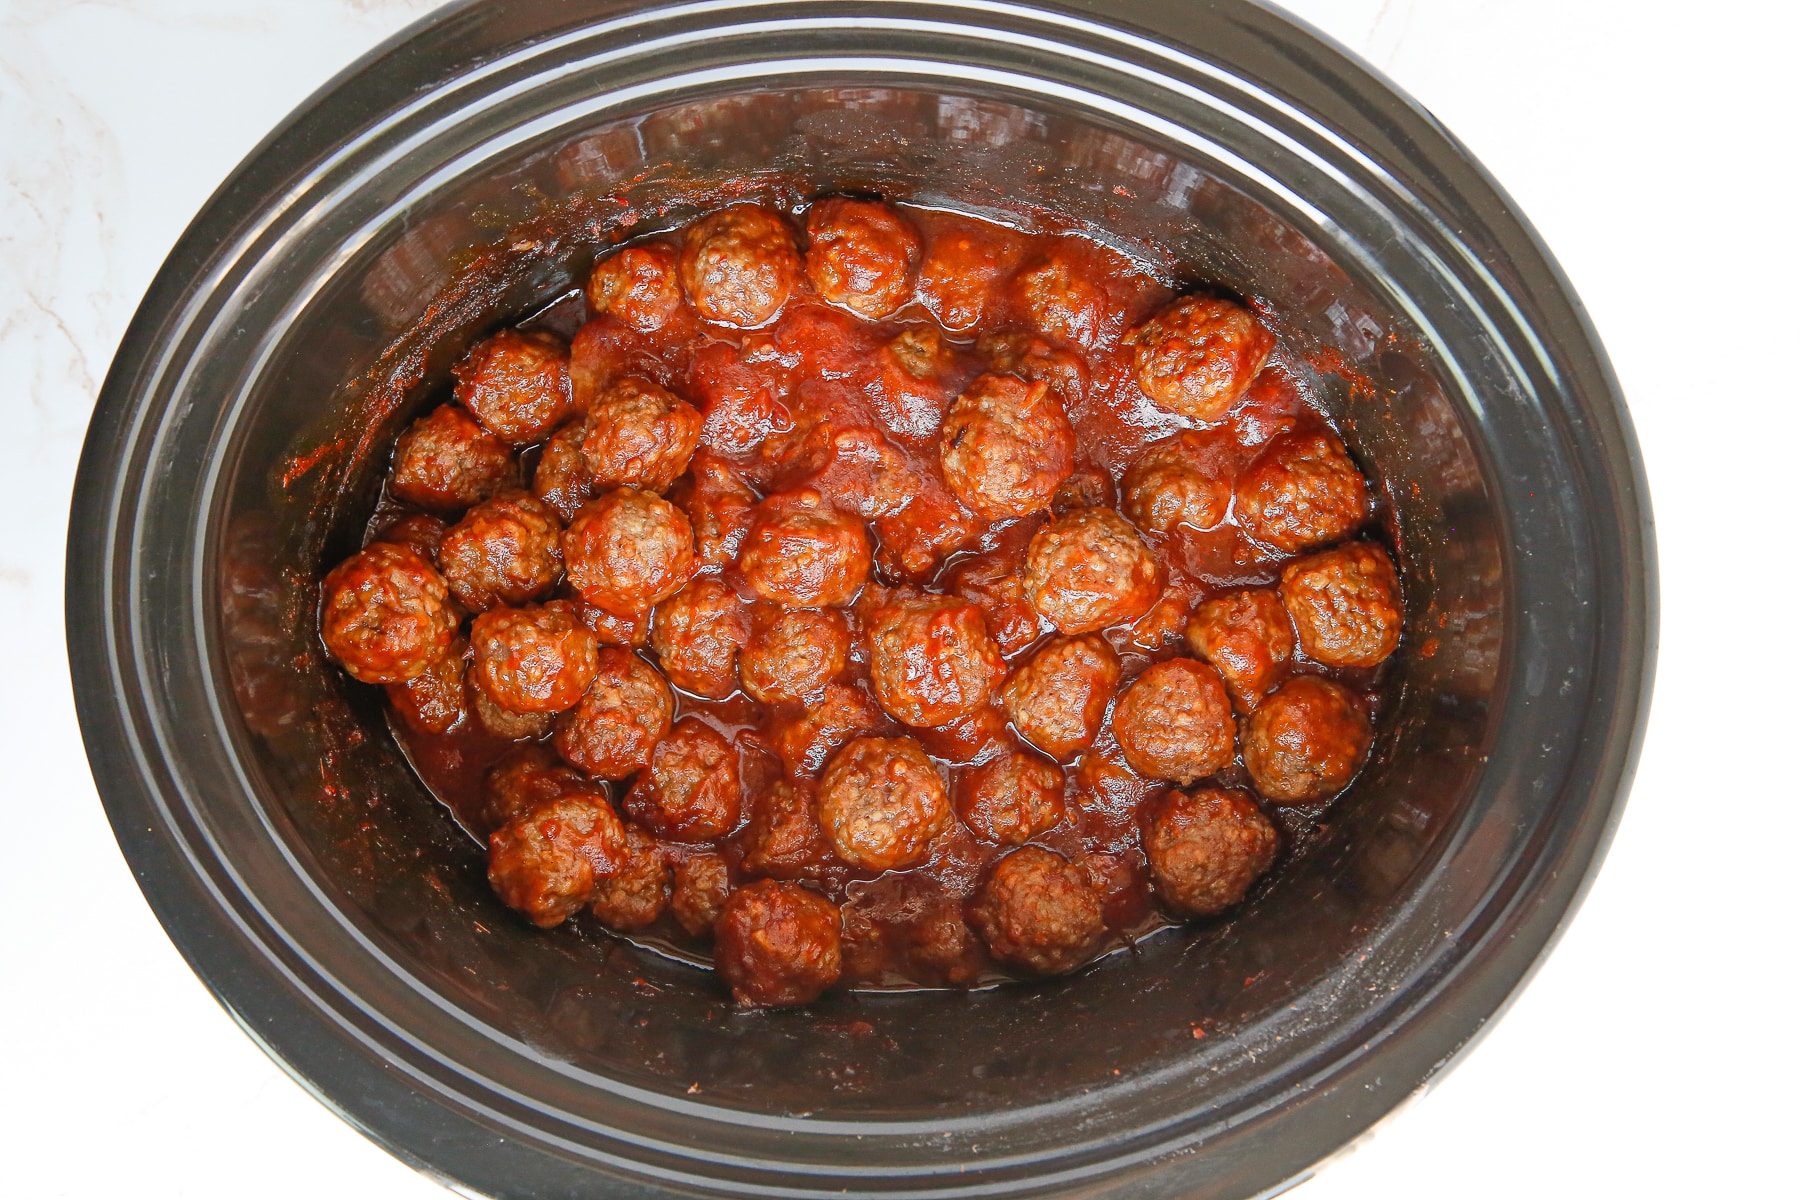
{"points": [[504, 722], [538, 659], [1245, 636], [1038, 911], [625, 713], [840, 713], [611, 630], [525, 778], [1206, 848], [1345, 603], [720, 505], [1006, 446], [696, 634], [446, 462], [743, 392], [435, 701], [629, 551], [504, 551], [639, 435], [422, 531], [1086, 487], [561, 478], [961, 270], [793, 653], [517, 385], [1302, 491], [862, 255], [931, 660], [1058, 697], [1090, 569], [1198, 356], [702, 882], [691, 791], [1166, 488], [1174, 722], [1065, 302], [545, 861], [993, 583], [384, 613], [1011, 799], [784, 839], [739, 265], [634, 895], [777, 944], [800, 551], [881, 802], [640, 285], [1306, 740]]}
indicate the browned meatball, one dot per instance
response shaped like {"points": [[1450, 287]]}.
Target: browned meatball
{"points": [[384, 613], [803, 552], [1301, 491], [1345, 603], [517, 385], [881, 802], [784, 839], [640, 285], [1035, 360], [526, 777], [702, 882], [422, 531], [739, 265], [629, 551], [434, 702], [639, 435], [778, 944], [696, 634], [1246, 637], [1006, 445], [561, 477], [961, 271], [993, 583], [504, 722], [1167, 487], [1065, 301], [625, 713], [1206, 848], [1090, 569], [538, 659], [445, 461], [1198, 356], [544, 862], [691, 791], [1086, 487], [720, 505], [612, 630], [793, 653], [1038, 911], [861, 254], [504, 551], [1306, 740], [634, 895], [1174, 722], [840, 713], [931, 661], [1058, 697], [1011, 799]]}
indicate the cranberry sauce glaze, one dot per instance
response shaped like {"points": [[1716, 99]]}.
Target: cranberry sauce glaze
{"points": [[875, 596]]}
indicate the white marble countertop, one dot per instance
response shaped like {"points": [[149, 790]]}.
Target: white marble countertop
{"points": [[1652, 144]]}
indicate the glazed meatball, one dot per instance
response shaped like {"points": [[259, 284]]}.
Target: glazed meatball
{"points": [[702, 882], [422, 531], [739, 265], [1345, 603], [1011, 799], [1198, 356], [1206, 848], [793, 653], [629, 551], [384, 613], [1065, 302], [525, 778], [881, 802], [561, 478], [446, 462], [1086, 487], [720, 505], [624, 714], [1166, 488], [802, 552], [538, 659], [960, 273], [1246, 637], [691, 791], [696, 634], [640, 285], [777, 944], [1306, 740], [1090, 569], [784, 839], [1006, 446], [862, 255], [1038, 911], [504, 722], [504, 551], [434, 702], [545, 861], [743, 392], [1302, 491], [993, 583], [517, 385], [611, 630], [634, 895], [1058, 697], [840, 713], [931, 661], [639, 435], [1174, 722]]}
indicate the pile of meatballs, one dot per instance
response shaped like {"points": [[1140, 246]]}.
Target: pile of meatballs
{"points": [[848, 549]]}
